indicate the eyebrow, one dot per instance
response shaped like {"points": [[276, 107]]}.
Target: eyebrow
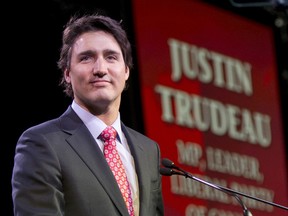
{"points": [[106, 51], [109, 51]]}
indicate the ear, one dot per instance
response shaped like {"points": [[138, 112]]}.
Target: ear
{"points": [[127, 73], [67, 75]]}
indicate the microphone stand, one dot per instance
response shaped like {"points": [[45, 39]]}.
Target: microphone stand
{"points": [[167, 170]]}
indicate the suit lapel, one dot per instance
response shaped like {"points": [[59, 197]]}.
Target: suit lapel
{"points": [[85, 146], [142, 167]]}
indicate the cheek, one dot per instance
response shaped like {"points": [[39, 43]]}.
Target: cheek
{"points": [[80, 72], [77, 79]]}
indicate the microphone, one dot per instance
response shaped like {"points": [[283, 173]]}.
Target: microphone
{"points": [[168, 163], [169, 170], [166, 171]]}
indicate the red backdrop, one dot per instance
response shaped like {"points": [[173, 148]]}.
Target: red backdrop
{"points": [[210, 99]]}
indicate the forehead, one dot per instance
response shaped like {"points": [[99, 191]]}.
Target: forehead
{"points": [[96, 40]]}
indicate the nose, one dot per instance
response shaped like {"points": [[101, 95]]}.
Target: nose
{"points": [[100, 66]]}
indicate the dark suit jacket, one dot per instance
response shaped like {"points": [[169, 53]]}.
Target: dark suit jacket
{"points": [[60, 170]]}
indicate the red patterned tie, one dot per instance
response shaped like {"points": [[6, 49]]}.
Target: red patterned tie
{"points": [[112, 157]]}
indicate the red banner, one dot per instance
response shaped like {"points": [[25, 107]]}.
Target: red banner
{"points": [[210, 99]]}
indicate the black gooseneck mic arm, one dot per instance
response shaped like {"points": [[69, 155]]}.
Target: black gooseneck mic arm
{"points": [[168, 170]]}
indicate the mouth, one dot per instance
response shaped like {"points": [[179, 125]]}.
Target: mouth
{"points": [[99, 82]]}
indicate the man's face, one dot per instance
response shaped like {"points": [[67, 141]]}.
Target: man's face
{"points": [[97, 71]]}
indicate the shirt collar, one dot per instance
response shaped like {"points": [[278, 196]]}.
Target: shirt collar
{"points": [[94, 124]]}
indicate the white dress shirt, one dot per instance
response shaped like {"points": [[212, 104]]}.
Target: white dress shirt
{"points": [[96, 126]]}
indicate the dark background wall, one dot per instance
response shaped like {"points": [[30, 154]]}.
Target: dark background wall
{"points": [[31, 39]]}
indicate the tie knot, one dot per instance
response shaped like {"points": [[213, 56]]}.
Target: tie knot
{"points": [[109, 133]]}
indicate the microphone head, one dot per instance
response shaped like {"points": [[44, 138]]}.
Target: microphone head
{"points": [[167, 163], [169, 172], [166, 171]]}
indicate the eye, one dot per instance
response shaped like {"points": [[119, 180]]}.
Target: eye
{"points": [[111, 57], [85, 58]]}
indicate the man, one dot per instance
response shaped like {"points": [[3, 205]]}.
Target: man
{"points": [[59, 166]]}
